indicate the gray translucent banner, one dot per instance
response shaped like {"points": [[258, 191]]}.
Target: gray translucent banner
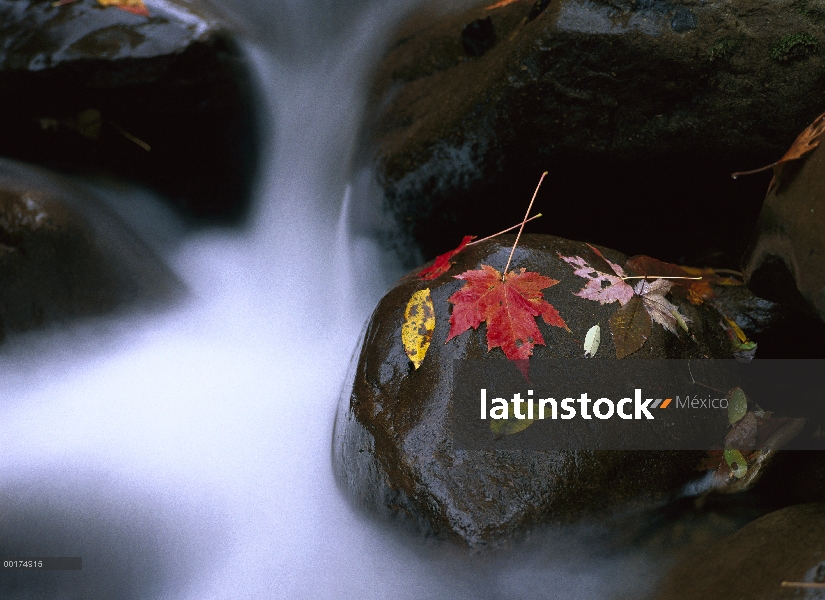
{"points": [[588, 404]]}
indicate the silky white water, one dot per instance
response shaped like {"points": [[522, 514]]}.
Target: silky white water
{"points": [[185, 454]]}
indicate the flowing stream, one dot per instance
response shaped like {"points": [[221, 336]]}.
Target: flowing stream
{"points": [[185, 454]]}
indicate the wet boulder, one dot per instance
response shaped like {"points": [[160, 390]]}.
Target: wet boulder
{"points": [[642, 109], [392, 448], [784, 546], [786, 261], [64, 256], [163, 100]]}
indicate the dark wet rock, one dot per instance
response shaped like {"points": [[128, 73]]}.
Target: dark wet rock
{"points": [[684, 20], [753, 314], [787, 260], [786, 545], [639, 110], [392, 450], [478, 37], [80, 83], [63, 256]]}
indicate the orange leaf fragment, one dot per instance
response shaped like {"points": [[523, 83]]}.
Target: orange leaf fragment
{"points": [[500, 4], [804, 143], [509, 306], [136, 7]]}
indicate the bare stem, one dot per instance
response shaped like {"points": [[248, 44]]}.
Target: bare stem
{"points": [[803, 584], [655, 277], [489, 237], [131, 138], [739, 174], [527, 214]]}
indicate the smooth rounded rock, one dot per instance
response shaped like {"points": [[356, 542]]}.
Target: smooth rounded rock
{"points": [[164, 100], [391, 447]]}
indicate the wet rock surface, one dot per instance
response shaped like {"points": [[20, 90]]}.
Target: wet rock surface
{"points": [[391, 447], [63, 256], [639, 110], [785, 262], [87, 88], [787, 545]]}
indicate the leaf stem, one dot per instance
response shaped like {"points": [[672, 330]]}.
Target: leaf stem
{"points": [[527, 214], [489, 237], [803, 584]]}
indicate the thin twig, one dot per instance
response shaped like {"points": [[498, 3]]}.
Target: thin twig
{"points": [[739, 174], [131, 138], [655, 277], [803, 584], [489, 237], [693, 381], [527, 214]]}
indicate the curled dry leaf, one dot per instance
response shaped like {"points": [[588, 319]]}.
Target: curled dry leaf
{"points": [[592, 340], [802, 145], [509, 306], [442, 262], [701, 291], [419, 323]]}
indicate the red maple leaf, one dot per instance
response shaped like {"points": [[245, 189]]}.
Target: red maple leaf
{"points": [[442, 262], [508, 305]]}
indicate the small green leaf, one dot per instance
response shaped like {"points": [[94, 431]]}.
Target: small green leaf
{"points": [[737, 463], [592, 340], [679, 319], [737, 405], [511, 425]]}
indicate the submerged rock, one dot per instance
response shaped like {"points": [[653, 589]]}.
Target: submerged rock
{"points": [[163, 100], [63, 256], [783, 546], [629, 105], [391, 446]]}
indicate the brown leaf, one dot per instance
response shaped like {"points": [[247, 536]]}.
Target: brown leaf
{"points": [[651, 267], [743, 435], [714, 460], [804, 143], [630, 326]]}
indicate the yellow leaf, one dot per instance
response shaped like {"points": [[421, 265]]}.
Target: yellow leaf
{"points": [[737, 330], [419, 323], [133, 6]]}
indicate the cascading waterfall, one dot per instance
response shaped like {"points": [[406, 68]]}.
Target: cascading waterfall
{"points": [[184, 454]]}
